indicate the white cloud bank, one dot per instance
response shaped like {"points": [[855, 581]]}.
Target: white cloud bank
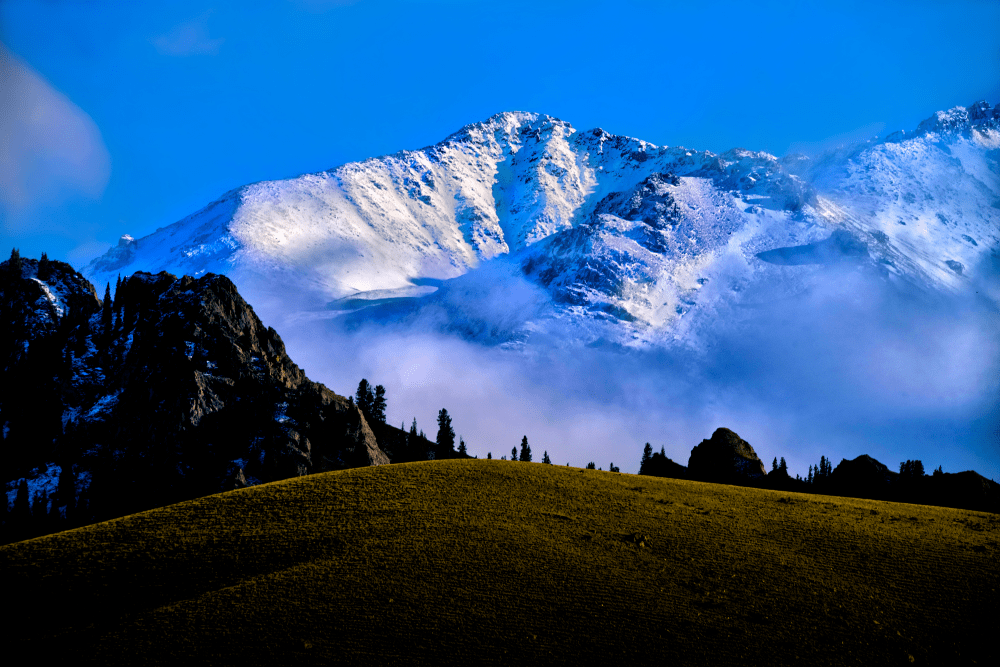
{"points": [[49, 147]]}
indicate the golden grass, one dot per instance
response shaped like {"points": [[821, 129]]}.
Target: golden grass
{"points": [[480, 561]]}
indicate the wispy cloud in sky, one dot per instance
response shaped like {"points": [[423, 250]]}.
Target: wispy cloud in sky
{"points": [[49, 147], [190, 38]]}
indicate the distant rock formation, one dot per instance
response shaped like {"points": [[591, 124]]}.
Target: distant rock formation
{"points": [[725, 458], [862, 477], [171, 390]]}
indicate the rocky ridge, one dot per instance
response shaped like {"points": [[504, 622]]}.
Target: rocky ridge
{"points": [[172, 389]]}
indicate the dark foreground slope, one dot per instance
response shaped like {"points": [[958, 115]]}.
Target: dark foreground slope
{"points": [[468, 562]]}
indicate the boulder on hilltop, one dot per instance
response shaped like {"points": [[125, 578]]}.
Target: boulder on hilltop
{"points": [[725, 458]]}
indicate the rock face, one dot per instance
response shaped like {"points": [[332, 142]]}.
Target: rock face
{"points": [[172, 391], [725, 458]]}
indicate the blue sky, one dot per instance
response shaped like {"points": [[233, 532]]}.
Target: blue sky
{"points": [[124, 117]]}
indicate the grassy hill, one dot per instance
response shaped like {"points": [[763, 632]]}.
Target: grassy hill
{"points": [[480, 561]]}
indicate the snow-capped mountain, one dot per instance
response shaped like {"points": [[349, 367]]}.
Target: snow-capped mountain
{"points": [[630, 241]]}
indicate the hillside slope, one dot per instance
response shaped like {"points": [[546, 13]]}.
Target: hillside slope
{"points": [[496, 562]]}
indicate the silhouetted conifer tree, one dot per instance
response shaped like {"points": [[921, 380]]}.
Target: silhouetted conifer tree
{"points": [[106, 312], [378, 404], [489, 455], [938, 471], [44, 267], [117, 302], [647, 454], [822, 471], [15, 264], [774, 464], [782, 466], [446, 434], [461, 447], [545, 458], [591, 466], [612, 467], [364, 398], [513, 453], [525, 450]]}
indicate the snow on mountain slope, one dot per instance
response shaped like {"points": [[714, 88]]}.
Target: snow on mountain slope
{"points": [[633, 238]]}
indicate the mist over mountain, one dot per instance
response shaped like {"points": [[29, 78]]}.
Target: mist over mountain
{"points": [[597, 291]]}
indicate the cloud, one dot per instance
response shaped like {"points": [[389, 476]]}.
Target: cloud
{"points": [[49, 147], [853, 366], [814, 148], [189, 39], [86, 251]]}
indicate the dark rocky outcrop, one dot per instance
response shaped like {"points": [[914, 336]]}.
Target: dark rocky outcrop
{"points": [[725, 458], [865, 477], [862, 477], [173, 391]]}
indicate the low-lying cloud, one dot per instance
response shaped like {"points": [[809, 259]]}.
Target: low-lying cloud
{"points": [[852, 366]]}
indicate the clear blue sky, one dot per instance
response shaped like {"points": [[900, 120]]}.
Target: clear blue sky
{"points": [[124, 117]]}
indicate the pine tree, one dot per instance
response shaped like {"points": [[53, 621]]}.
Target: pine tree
{"points": [[44, 267], [461, 447], [106, 312], [513, 453], [774, 464], [938, 471], [446, 434], [809, 479], [783, 467], [591, 466], [545, 458], [413, 432], [364, 398], [378, 404], [14, 265], [612, 467], [525, 450], [489, 455], [647, 454]]}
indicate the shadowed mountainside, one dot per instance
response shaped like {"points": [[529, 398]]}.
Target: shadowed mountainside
{"points": [[172, 390]]}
